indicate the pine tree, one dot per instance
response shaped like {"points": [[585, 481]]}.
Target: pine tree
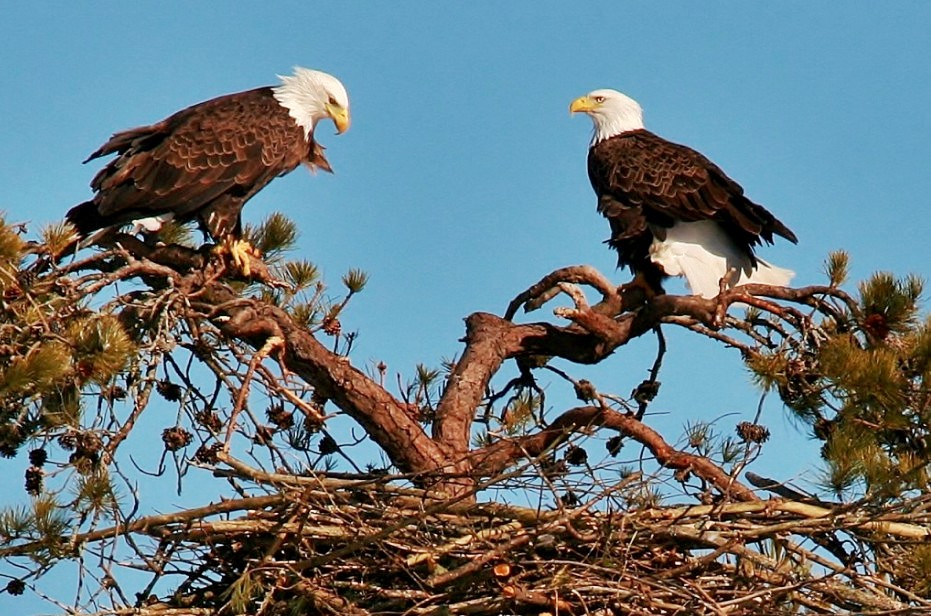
{"points": [[248, 386]]}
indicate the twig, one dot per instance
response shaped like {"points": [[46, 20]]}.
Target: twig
{"points": [[272, 343]]}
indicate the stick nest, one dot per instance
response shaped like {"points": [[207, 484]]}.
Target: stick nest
{"points": [[370, 547]]}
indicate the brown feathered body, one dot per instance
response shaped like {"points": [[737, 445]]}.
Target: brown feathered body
{"points": [[202, 163], [646, 185]]}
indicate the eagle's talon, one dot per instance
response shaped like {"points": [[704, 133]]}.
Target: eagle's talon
{"points": [[240, 252]]}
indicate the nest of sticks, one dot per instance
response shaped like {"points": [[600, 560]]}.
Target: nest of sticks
{"points": [[367, 546]]}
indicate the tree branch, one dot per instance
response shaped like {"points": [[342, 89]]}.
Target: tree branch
{"points": [[495, 458]]}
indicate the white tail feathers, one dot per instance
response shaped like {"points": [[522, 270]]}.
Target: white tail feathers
{"points": [[151, 224], [703, 254], [767, 273]]}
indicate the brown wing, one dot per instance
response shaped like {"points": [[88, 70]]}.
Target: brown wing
{"points": [[206, 159], [645, 182]]}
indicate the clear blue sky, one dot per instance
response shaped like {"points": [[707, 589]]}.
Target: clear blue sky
{"points": [[462, 180]]}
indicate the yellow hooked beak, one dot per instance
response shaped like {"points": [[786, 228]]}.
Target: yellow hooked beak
{"points": [[340, 117], [583, 104]]}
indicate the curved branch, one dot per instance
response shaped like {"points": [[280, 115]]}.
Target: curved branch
{"points": [[154, 523], [382, 416], [495, 458], [595, 332], [254, 321], [547, 288]]}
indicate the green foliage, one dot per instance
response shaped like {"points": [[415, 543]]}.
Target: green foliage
{"points": [[870, 378], [101, 347], [300, 606], [305, 297], [427, 376], [173, 233], [700, 436], [11, 246], [305, 294], [88, 334], [769, 369], [51, 349], [520, 411], [38, 370], [241, 593], [45, 524], [355, 280], [60, 407], [889, 304], [837, 267], [730, 450], [859, 379], [51, 521], [862, 385], [918, 352], [273, 237], [58, 237], [647, 497], [305, 314], [95, 494], [848, 451], [301, 274], [16, 522]]}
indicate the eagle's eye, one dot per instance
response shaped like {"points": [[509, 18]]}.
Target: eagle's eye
{"points": [[332, 100], [599, 99]]}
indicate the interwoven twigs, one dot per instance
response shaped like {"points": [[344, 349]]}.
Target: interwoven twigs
{"points": [[490, 557]]}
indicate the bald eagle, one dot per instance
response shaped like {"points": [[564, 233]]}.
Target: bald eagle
{"points": [[204, 162], [672, 211]]}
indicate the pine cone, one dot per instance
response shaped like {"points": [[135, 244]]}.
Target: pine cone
{"points": [[585, 391], [208, 454], [176, 438], [282, 419], [16, 587], [614, 445], [576, 456], [752, 433], [646, 391], [34, 476], [38, 457], [209, 420], [12, 436], [115, 393], [25, 278], [332, 326], [327, 445], [169, 391], [89, 444], [68, 441]]}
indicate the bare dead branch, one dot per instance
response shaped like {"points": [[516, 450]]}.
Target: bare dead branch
{"points": [[548, 287]]}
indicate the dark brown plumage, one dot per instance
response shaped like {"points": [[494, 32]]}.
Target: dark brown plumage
{"points": [[672, 211], [202, 163], [646, 184]]}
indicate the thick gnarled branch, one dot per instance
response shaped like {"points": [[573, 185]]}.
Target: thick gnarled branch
{"points": [[384, 417], [594, 333]]}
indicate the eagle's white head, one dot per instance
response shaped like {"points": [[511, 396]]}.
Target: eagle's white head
{"points": [[611, 112], [310, 96]]}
